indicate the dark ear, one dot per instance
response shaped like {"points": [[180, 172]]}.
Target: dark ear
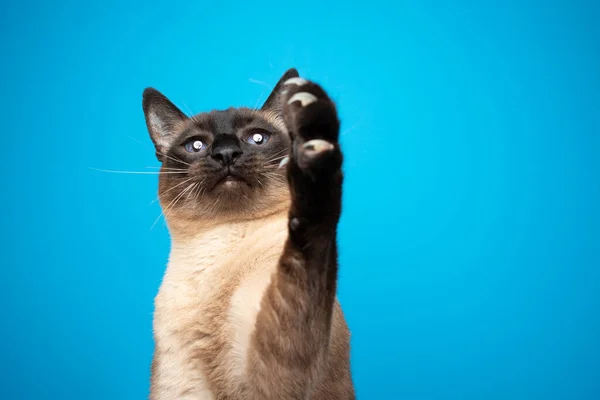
{"points": [[272, 103], [162, 118]]}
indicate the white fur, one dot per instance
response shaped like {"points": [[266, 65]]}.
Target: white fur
{"points": [[199, 265], [187, 287], [159, 126]]}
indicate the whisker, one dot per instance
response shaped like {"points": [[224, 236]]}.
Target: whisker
{"points": [[174, 187], [274, 175], [351, 128], [286, 150], [134, 172], [199, 187], [276, 178], [168, 168], [189, 112], [194, 118], [187, 198], [135, 140], [173, 159], [215, 204], [186, 190], [278, 155], [261, 83], [277, 158], [258, 100], [162, 213], [259, 181], [203, 189], [164, 155], [171, 204], [273, 169]]}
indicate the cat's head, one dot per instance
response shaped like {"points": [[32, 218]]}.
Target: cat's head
{"points": [[219, 163]]}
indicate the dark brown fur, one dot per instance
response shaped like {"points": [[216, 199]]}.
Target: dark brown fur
{"points": [[299, 343]]}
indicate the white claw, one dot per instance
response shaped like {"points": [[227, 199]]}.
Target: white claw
{"points": [[304, 98], [318, 146], [295, 81], [284, 161]]}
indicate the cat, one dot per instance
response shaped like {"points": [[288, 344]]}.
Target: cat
{"points": [[247, 308]]}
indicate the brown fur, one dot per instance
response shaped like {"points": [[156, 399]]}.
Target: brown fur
{"points": [[243, 311]]}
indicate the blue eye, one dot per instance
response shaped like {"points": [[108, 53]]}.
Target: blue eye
{"points": [[193, 146], [258, 138]]}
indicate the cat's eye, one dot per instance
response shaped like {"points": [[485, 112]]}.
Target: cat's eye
{"points": [[258, 138], [194, 145]]}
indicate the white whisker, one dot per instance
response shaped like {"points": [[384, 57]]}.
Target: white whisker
{"points": [[168, 169], [258, 100], [259, 182], [189, 112], [278, 155], [187, 198], [277, 158], [261, 83], [172, 159], [174, 187], [135, 172], [198, 193], [135, 140], [351, 128], [171, 204]]}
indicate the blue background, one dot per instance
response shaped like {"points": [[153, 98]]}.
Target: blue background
{"points": [[470, 239]]}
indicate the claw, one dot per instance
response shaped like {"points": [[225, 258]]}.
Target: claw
{"points": [[315, 146], [312, 151], [295, 81], [304, 98], [284, 161]]}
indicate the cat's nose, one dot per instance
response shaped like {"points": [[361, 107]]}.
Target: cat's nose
{"points": [[226, 149]]}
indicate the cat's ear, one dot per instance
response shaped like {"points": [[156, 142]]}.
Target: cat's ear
{"points": [[272, 102], [162, 119]]}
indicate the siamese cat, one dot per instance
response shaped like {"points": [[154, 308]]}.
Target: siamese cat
{"points": [[247, 308]]}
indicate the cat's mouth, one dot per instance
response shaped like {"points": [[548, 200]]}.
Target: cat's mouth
{"points": [[230, 180]]}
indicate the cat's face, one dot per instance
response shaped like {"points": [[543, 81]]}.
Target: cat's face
{"points": [[221, 162]]}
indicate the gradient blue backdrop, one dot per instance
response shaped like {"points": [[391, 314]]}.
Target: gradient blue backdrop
{"points": [[470, 239]]}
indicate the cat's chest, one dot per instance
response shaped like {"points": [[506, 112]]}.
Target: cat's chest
{"points": [[204, 274], [196, 274], [208, 301]]}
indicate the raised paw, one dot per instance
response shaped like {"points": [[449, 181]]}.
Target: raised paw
{"points": [[311, 119]]}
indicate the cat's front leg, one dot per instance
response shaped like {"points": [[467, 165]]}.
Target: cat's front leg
{"points": [[290, 346]]}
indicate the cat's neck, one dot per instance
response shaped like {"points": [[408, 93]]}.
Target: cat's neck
{"points": [[185, 229], [198, 245], [185, 233]]}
